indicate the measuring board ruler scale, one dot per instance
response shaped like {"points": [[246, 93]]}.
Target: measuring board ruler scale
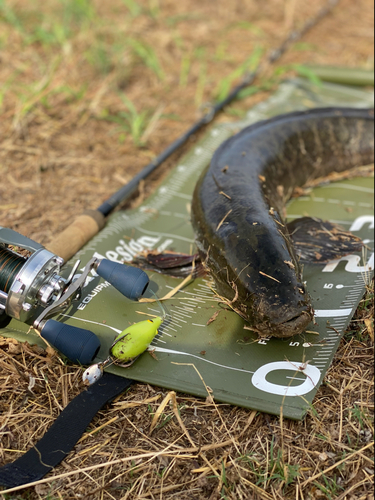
{"points": [[240, 369]]}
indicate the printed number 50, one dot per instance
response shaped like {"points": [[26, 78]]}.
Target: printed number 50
{"points": [[312, 374]]}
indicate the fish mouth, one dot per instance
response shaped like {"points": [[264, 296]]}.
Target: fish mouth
{"points": [[288, 328]]}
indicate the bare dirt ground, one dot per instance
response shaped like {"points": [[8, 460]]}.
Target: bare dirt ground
{"points": [[90, 93]]}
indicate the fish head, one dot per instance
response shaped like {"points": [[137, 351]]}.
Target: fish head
{"points": [[276, 317], [262, 281]]}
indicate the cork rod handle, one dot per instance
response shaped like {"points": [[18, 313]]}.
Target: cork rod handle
{"points": [[75, 236]]}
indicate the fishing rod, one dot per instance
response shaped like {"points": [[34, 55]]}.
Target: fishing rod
{"points": [[87, 225], [35, 283]]}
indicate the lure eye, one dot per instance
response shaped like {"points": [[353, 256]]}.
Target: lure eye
{"points": [[150, 320]]}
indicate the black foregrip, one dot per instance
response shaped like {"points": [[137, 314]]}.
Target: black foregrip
{"points": [[80, 346]]}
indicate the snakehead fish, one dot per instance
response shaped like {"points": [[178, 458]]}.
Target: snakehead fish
{"points": [[239, 204]]}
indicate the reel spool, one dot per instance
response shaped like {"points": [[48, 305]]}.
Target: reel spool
{"points": [[32, 290]]}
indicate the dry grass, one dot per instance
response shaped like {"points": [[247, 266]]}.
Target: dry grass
{"points": [[85, 103], [154, 444]]}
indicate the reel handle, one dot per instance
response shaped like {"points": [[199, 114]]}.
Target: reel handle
{"points": [[79, 345], [130, 281]]}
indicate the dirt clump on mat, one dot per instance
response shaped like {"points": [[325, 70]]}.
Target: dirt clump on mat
{"points": [[91, 92]]}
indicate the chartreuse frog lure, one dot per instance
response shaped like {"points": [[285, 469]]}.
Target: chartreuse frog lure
{"points": [[126, 348], [129, 344]]}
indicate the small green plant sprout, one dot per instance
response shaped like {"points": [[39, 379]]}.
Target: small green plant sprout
{"points": [[272, 468], [185, 69], [35, 94], [78, 14], [130, 122], [304, 46], [146, 54], [173, 20], [362, 417], [279, 470], [202, 81], [4, 89], [308, 73], [56, 28], [100, 57], [8, 15], [134, 8], [224, 474], [154, 8], [249, 65], [331, 487], [246, 25], [164, 420]]}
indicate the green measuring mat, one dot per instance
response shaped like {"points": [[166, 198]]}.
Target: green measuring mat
{"points": [[238, 368]]}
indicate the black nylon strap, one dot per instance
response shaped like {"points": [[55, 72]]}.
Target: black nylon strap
{"points": [[60, 439]]}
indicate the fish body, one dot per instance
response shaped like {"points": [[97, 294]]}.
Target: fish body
{"points": [[239, 202]]}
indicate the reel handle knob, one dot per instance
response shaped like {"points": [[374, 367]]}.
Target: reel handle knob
{"points": [[79, 345], [130, 281]]}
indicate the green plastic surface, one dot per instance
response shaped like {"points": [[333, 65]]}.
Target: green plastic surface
{"points": [[239, 368]]}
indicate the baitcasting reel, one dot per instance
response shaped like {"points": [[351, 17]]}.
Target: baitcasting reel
{"points": [[32, 290]]}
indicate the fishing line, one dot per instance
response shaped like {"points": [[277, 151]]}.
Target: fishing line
{"points": [[10, 264], [163, 308]]}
